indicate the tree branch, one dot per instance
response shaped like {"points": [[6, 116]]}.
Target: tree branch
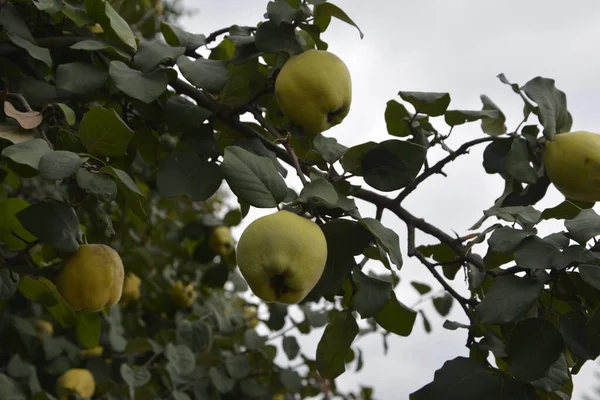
{"points": [[437, 168]]}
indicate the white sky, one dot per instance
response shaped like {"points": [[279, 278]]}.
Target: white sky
{"points": [[454, 46]]}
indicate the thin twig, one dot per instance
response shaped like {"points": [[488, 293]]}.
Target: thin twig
{"points": [[437, 168], [213, 36], [285, 141]]}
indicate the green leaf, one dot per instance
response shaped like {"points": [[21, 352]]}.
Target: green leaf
{"points": [[398, 119], [522, 215], [328, 148], [507, 239], [494, 156], [134, 197], [568, 209], [467, 379], [432, 104], [291, 380], [176, 36], [572, 326], [592, 333], [372, 294], [59, 164], [114, 26], [237, 366], [273, 38], [39, 53], [9, 281], [396, 318], [53, 223], [393, 164], [558, 375], [290, 346], [68, 113], [184, 173], [534, 345], [9, 389], [252, 178], [442, 253], [535, 253], [27, 153], [518, 162], [509, 298], [134, 83], [12, 233], [42, 291], [197, 335], [329, 10], [590, 274], [335, 344], [50, 6], [459, 117], [585, 226], [280, 11], [493, 127], [318, 192], [345, 239], [12, 22], [152, 53], [98, 184], [251, 387], [88, 329], [552, 106], [221, 381], [135, 378], [443, 304], [386, 238], [103, 132], [181, 357], [80, 78], [421, 287], [210, 75], [184, 116], [352, 159]]}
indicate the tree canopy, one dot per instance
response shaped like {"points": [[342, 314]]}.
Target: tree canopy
{"points": [[116, 130]]}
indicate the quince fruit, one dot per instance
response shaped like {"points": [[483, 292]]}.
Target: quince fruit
{"points": [[183, 296], [282, 256], [92, 279], [42, 326], [77, 381], [221, 241], [314, 90], [96, 351], [251, 315], [131, 289], [572, 163]]}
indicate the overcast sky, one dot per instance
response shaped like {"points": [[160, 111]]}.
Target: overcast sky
{"points": [[454, 46]]}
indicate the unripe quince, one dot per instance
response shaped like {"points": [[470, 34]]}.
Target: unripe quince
{"points": [[572, 163], [96, 351], [75, 381], [131, 289], [92, 279], [221, 241], [250, 313], [183, 296], [43, 326], [282, 256], [314, 90]]}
